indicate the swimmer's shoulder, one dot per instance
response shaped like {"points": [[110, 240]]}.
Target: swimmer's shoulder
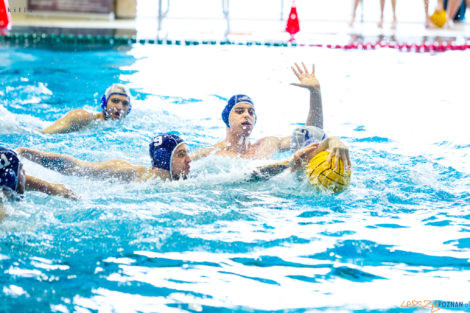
{"points": [[267, 142], [84, 115], [72, 121], [226, 153], [266, 147], [204, 152], [144, 174], [222, 145]]}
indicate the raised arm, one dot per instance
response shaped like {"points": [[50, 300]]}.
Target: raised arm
{"points": [[310, 82], [315, 113], [72, 121], [36, 184], [68, 165]]}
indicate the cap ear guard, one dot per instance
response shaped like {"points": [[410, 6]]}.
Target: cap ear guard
{"points": [[161, 150], [161, 158], [103, 103]]}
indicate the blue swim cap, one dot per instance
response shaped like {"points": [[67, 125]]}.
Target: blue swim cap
{"points": [[115, 89], [304, 135], [231, 103], [315, 140], [9, 169], [162, 148]]}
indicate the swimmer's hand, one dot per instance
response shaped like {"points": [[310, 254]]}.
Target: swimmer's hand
{"points": [[63, 191], [338, 151], [301, 157], [307, 80], [37, 184]]}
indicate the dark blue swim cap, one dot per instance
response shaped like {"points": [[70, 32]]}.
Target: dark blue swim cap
{"points": [[9, 169], [231, 103], [115, 89], [161, 150]]}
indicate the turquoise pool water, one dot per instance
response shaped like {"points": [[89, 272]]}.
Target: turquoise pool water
{"points": [[214, 243]]}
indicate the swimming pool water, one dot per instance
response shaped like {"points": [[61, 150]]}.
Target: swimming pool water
{"points": [[215, 243]]}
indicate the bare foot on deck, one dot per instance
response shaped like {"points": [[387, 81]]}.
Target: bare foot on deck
{"points": [[351, 23], [381, 23]]}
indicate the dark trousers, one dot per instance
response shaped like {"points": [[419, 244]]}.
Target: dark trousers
{"points": [[460, 15]]}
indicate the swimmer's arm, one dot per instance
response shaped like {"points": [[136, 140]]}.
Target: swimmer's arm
{"points": [[2, 210], [68, 165], [310, 82], [268, 171], [115, 169], [61, 163], [36, 184], [72, 121], [296, 162]]}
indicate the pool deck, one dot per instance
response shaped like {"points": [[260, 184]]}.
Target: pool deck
{"points": [[314, 29]]}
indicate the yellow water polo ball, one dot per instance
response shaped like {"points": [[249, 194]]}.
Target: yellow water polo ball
{"points": [[439, 18], [325, 176]]}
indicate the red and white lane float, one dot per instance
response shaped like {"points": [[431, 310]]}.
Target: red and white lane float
{"points": [[5, 17], [413, 47]]}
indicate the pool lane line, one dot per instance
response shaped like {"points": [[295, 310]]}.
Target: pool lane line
{"points": [[35, 38]]}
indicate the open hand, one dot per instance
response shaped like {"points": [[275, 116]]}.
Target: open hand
{"points": [[302, 156], [339, 151], [307, 80], [66, 192]]}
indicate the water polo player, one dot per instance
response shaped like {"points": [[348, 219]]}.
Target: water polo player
{"points": [[168, 152], [239, 116], [115, 104], [14, 181]]}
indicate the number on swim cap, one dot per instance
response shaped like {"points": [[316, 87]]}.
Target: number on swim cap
{"points": [[4, 161], [157, 141]]}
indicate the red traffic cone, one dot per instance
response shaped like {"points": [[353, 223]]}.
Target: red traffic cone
{"points": [[293, 22], [5, 17]]}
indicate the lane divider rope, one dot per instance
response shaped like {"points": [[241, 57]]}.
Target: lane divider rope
{"points": [[33, 38]]}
